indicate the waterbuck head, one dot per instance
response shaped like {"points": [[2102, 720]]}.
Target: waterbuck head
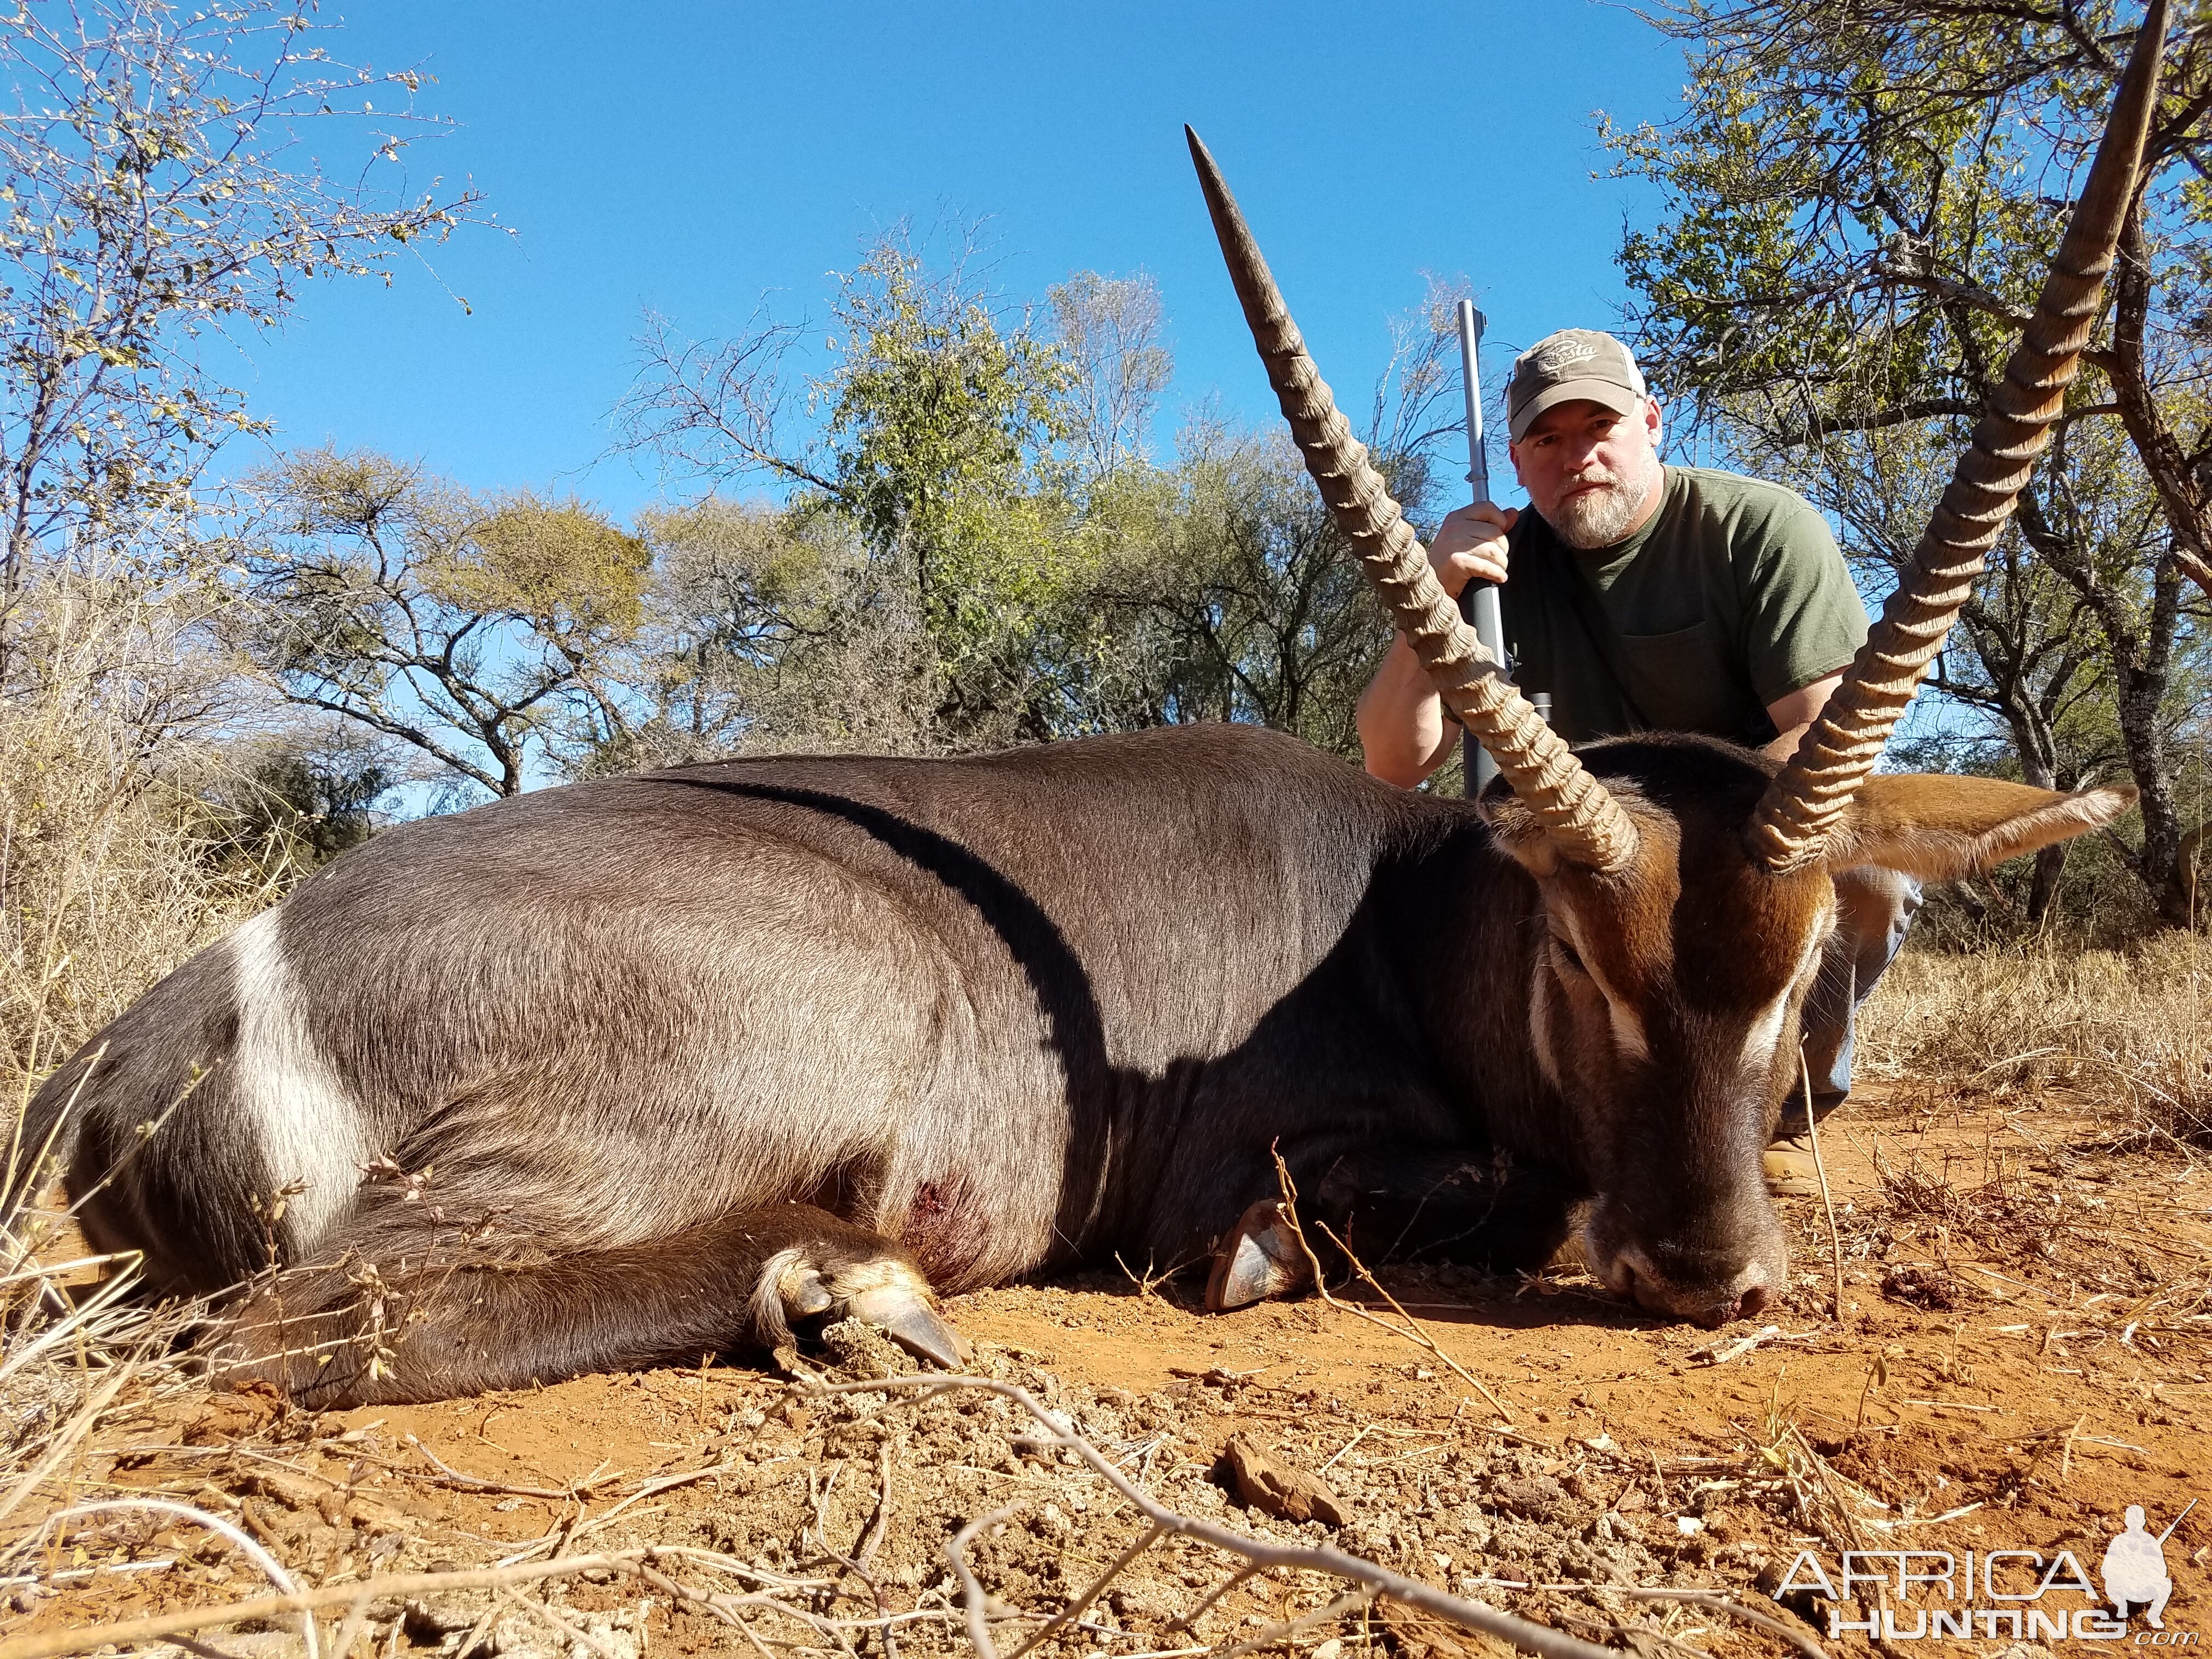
{"points": [[1688, 887], [1665, 994]]}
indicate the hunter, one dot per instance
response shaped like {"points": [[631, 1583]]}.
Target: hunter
{"points": [[1645, 597]]}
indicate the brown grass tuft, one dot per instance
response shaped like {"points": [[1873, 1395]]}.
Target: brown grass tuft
{"points": [[2129, 1032], [118, 701]]}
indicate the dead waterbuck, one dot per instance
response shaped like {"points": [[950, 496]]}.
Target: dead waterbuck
{"points": [[638, 1069]]}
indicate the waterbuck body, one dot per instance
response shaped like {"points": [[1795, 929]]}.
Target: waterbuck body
{"points": [[636, 1069], [1012, 1012]]}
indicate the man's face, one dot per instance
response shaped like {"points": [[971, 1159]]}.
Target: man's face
{"points": [[1589, 471]]}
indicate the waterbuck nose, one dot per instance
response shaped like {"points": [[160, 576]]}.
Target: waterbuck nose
{"points": [[1707, 1281], [1708, 1304]]}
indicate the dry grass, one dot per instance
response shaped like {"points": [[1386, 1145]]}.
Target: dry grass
{"points": [[118, 702], [2129, 1031], [117, 698]]}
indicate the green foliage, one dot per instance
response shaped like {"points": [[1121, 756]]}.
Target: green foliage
{"points": [[1231, 596], [292, 812], [557, 566]]}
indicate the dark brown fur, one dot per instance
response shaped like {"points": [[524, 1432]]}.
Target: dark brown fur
{"points": [[595, 1047]]}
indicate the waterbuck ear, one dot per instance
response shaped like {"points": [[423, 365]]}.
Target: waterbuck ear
{"points": [[1939, 827]]}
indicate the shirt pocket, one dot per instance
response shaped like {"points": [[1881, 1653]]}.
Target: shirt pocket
{"points": [[1681, 683]]}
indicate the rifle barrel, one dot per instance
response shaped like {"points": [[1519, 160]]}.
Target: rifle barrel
{"points": [[2176, 1521], [1479, 602]]}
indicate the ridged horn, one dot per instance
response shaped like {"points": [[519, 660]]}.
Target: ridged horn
{"points": [[1585, 823], [1790, 828]]}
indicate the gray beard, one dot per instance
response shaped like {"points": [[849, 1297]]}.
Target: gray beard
{"points": [[1599, 518]]}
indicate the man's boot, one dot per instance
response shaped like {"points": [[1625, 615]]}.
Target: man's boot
{"points": [[1791, 1171]]}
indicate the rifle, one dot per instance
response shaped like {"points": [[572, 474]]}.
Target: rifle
{"points": [[1478, 603], [2177, 1520]]}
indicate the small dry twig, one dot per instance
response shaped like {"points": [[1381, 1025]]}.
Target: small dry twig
{"points": [[1321, 1559], [971, 1593], [1797, 1639], [447, 1475], [269, 1566], [51, 1645], [1411, 1331], [1821, 1168], [545, 1614]]}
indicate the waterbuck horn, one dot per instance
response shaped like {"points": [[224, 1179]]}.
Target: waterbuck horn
{"points": [[1791, 827], [1585, 823]]}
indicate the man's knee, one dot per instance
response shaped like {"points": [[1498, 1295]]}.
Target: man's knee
{"points": [[1875, 909]]}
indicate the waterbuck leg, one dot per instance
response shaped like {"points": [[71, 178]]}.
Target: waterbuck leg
{"points": [[1430, 1204], [403, 1318]]}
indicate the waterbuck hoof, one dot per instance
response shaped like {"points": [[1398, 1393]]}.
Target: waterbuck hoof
{"points": [[805, 1294], [1261, 1258], [884, 1290], [904, 1313]]}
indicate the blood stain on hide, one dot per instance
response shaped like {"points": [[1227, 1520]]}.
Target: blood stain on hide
{"points": [[944, 1230]]}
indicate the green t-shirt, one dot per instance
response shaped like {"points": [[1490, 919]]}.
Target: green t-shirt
{"points": [[1730, 598]]}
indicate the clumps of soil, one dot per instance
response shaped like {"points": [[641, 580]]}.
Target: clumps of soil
{"points": [[1933, 1288]]}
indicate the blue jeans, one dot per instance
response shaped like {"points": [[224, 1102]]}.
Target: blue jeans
{"points": [[1875, 911]]}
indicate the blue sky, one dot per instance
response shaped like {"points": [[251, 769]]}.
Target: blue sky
{"points": [[691, 158]]}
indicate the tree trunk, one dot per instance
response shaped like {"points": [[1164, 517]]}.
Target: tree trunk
{"points": [[2038, 746], [2042, 886]]}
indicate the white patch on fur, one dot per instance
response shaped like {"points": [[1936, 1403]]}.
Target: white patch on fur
{"points": [[1628, 1035], [307, 1126], [1765, 1031], [1627, 1028], [1766, 1026]]}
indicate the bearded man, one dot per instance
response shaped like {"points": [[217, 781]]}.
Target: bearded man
{"points": [[1642, 597]]}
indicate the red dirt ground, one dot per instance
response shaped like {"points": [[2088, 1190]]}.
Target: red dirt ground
{"points": [[2024, 1355]]}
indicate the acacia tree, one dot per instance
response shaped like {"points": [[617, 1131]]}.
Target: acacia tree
{"points": [[934, 433], [1858, 202], [463, 626], [154, 191]]}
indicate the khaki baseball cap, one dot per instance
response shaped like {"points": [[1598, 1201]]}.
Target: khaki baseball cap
{"points": [[1574, 363]]}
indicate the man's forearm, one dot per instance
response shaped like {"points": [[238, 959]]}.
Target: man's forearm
{"points": [[1793, 715], [1403, 733], [1786, 744]]}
